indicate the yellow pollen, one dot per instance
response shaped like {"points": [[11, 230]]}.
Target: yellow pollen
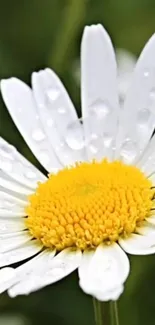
{"points": [[89, 203]]}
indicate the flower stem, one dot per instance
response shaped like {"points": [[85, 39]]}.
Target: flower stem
{"points": [[72, 21], [114, 313], [106, 313]]}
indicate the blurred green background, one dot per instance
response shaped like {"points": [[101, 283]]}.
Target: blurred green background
{"points": [[35, 34]]}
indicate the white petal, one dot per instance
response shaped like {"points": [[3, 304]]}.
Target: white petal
{"points": [[19, 100], [11, 225], [8, 184], [9, 201], [56, 112], [110, 295], [12, 214], [138, 122], [36, 264], [126, 62], [146, 229], [103, 272], [7, 276], [25, 271], [9, 243], [99, 91], [16, 255], [138, 244], [147, 161], [151, 219], [26, 274], [11, 206], [152, 178], [17, 167], [11, 234], [50, 271]]}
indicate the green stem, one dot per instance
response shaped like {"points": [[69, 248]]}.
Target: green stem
{"points": [[106, 313], [115, 312], [72, 21]]}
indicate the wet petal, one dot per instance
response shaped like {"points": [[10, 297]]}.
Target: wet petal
{"points": [[51, 270], [57, 114], [99, 91], [9, 243], [12, 225], [20, 253], [17, 167], [19, 100], [137, 121], [138, 244], [103, 272]]}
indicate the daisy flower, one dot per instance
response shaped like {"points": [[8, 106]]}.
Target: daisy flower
{"points": [[97, 203]]}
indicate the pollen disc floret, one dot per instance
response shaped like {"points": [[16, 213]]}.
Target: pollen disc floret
{"points": [[89, 203]]}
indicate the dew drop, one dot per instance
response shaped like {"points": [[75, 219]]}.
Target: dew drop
{"points": [[94, 136], [107, 140], [128, 151], [146, 74], [52, 94], [38, 135], [108, 265], [93, 149], [75, 136], [152, 93], [143, 116], [94, 144], [100, 108], [61, 110]]}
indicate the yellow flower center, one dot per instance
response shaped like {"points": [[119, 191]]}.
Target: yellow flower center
{"points": [[89, 203]]}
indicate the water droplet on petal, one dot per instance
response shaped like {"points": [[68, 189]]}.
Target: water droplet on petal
{"points": [[61, 110], [38, 135], [129, 151], [152, 93], [94, 144], [93, 149], [107, 264], [75, 135], [94, 136], [100, 108], [146, 73], [107, 140], [52, 94], [143, 117]]}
